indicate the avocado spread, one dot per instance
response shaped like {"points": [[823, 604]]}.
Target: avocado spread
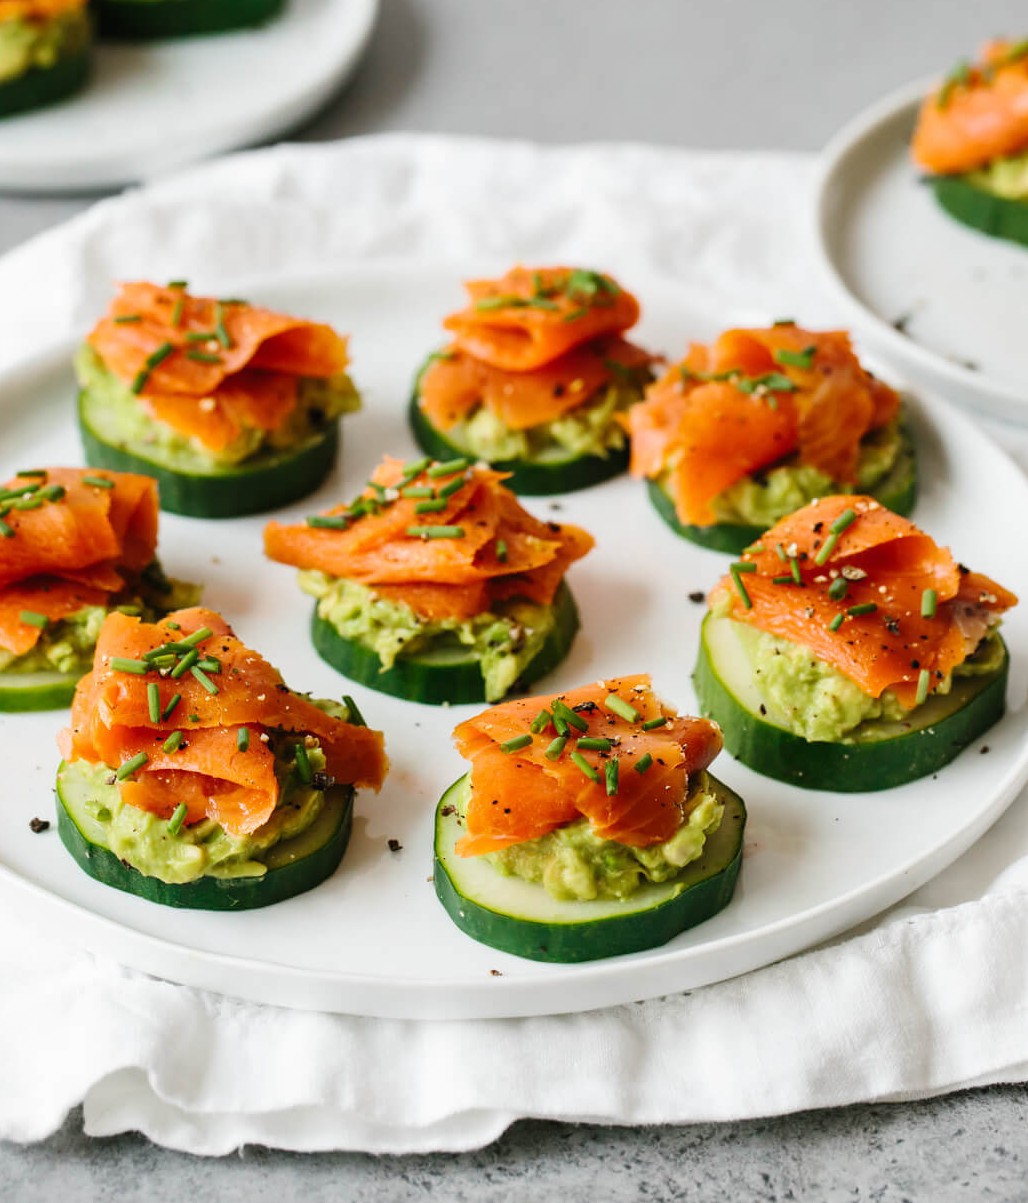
{"points": [[28, 44], [573, 862], [119, 419], [1005, 178], [504, 641]]}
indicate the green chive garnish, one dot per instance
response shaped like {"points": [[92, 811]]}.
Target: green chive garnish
{"points": [[178, 283], [826, 549], [328, 521], [652, 724], [203, 357], [747, 601], [452, 486], [643, 763], [501, 550], [173, 626], [580, 762], [209, 664], [505, 301], [415, 467], [220, 333], [6, 530], [98, 482], [448, 468], [562, 710], [432, 506], [303, 764], [417, 491], [356, 718], [621, 708], [845, 519], [836, 622], [130, 766], [243, 739], [27, 503], [863, 608], [436, 532], [176, 313], [169, 710], [785, 579], [594, 744], [33, 619], [177, 819], [127, 319], [516, 744], [556, 747], [610, 772], [173, 742], [796, 359], [559, 725], [540, 722], [838, 589], [186, 663], [153, 701], [782, 554], [197, 637], [924, 678], [204, 679], [121, 665], [53, 492], [929, 601], [794, 569]]}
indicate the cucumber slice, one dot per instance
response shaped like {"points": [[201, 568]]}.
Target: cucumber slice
{"points": [[557, 472], [21, 692], [180, 18], [266, 481], [879, 755], [997, 216], [450, 674], [41, 86], [522, 918], [294, 865], [897, 491]]}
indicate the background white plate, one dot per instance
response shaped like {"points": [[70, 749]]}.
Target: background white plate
{"points": [[890, 254], [373, 939], [154, 106]]}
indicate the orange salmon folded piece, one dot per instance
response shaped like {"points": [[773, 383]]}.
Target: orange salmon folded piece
{"points": [[112, 721], [880, 632], [979, 114], [520, 793], [244, 373], [491, 547], [529, 318], [72, 543], [746, 401]]}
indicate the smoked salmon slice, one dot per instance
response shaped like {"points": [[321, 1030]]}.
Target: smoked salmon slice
{"points": [[69, 537], [472, 545], [748, 400], [877, 599], [980, 113], [632, 791], [210, 369], [128, 709]]}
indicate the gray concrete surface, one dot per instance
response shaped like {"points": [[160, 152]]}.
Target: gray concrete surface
{"points": [[709, 73]]}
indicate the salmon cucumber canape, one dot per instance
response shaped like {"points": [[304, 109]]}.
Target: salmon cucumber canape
{"points": [[75, 544], [435, 584], [194, 777], [760, 422], [847, 651], [588, 825], [44, 52], [972, 140], [535, 378], [145, 19], [232, 408]]}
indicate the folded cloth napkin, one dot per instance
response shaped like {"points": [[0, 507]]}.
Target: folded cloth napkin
{"points": [[898, 1011]]}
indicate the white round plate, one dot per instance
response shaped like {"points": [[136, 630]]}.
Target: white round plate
{"points": [[373, 939], [152, 107], [944, 302]]}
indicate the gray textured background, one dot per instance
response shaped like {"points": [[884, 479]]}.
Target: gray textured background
{"points": [[735, 74]]}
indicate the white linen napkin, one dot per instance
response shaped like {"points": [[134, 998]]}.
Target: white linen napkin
{"points": [[931, 997]]}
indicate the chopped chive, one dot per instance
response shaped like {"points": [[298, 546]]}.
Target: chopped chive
{"points": [[53, 492], [516, 744], [27, 503], [243, 739], [621, 708], [436, 532], [178, 283], [127, 319], [796, 359], [173, 742], [204, 357], [863, 608], [33, 619], [169, 710], [501, 550], [186, 663], [643, 763], [177, 819], [540, 722], [6, 530], [743, 566], [826, 549], [153, 701], [204, 679], [753, 549], [200, 336], [556, 747], [652, 724], [432, 506], [838, 589], [98, 482], [594, 744], [122, 665], [173, 626], [836, 622], [929, 601], [571, 717], [234, 301], [155, 358], [580, 762], [303, 764], [747, 601], [504, 301], [448, 468], [415, 467], [356, 718], [452, 486], [209, 664], [328, 521], [176, 313], [220, 333], [794, 568], [197, 637], [559, 724], [924, 678], [130, 765], [785, 579], [21, 491], [417, 491], [610, 772], [25, 473], [165, 649], [845, 519]]}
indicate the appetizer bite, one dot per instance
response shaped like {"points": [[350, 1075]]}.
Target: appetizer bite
{"points": [[194, 777], [535, 379], [588, 825], [750, 428], [972, 139], [848, 651], [75, 544], [435, 585], [44, 52], [233, 408], [144, 19]]}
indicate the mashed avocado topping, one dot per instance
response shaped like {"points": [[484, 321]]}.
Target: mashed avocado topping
{"points": [[143, 840], [572, 862], [29, 44], [764, 497], [121, 419], [1005, 178], [504, 641]]}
